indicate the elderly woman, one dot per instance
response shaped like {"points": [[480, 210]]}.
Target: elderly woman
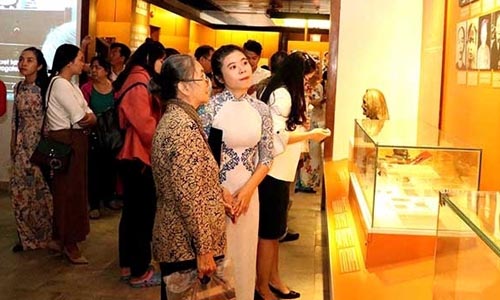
{"points": [[189, 229]]}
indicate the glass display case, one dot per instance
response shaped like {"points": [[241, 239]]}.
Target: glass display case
{"points": [[467, 262], [397, 169]]}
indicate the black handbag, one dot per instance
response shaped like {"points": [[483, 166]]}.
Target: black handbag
{"points": [[107, 134], [50, 155]]}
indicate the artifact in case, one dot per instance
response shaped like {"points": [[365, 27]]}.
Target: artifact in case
{"points": [[397, 169]]}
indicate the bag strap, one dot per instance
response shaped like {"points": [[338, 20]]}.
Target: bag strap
{"points": [[119, 100], [47, 96]]}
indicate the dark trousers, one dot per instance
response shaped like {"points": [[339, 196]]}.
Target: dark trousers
{"points": [[102, 177], [138, 213]]}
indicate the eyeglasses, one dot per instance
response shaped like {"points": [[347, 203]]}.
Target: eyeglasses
{"points": [[204, 77]]}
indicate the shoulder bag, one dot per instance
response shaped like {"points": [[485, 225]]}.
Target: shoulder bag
{"points": [[108, 134], [50, 155]]}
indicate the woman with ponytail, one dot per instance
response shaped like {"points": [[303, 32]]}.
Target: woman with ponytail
{"points": [[68, 121]]}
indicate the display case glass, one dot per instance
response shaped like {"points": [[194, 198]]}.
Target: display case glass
{"points": [[467, 262], [399, 167]]}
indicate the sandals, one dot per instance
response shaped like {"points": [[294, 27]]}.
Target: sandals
{"points": [[75, 257], [125, 274], [149, 279], [115, 205], [94, 214]]}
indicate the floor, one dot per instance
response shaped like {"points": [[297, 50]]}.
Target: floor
{"points": [[42, 276]]}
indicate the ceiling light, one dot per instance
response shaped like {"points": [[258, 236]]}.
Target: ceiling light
{"points": [[274, 14], [302, 23]]}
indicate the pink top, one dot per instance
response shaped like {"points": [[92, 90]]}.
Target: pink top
{"points": [[87, 90]]}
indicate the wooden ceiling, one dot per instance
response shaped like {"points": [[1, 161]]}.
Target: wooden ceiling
{"points": [[261, 6], [244, 12]]}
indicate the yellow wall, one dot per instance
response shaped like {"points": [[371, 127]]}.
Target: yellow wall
{"points": [[140, 23], [114, 19], [123, 21], [471, 112], [202, 35], [174, 32]]}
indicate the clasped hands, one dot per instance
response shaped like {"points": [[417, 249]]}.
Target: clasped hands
{"points": [[237, 203]]}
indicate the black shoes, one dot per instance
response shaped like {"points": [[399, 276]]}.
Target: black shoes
{"points": [[290, 295], [257, 296], [17, 248], [289, 237], [308, 190]]}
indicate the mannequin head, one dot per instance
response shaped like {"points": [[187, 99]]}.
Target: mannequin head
{"points": [[374, 105]]}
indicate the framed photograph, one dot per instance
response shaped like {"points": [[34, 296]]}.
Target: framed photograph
{"points": [[495, 41], [462, 3], [484, 42], [472, 44], [461, 42]]}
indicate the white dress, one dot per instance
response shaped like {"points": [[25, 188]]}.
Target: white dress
{"points": [[246, 141]]}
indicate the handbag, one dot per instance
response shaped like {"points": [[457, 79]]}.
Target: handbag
{"points": [[185, 285], [107, 133], [49, 154]]}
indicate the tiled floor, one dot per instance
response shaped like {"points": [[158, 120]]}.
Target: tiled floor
{"points": [[37, 275]]}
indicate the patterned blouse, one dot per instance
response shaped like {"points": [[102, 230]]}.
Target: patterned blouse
{"points": [[190, 217], [250, 157]]}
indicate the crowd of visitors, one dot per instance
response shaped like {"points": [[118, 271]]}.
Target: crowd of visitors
{"points": [[186, 202]]}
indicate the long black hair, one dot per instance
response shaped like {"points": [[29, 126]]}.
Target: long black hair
{"points": [[145, 56], [42, 76], [65, 54], [291, 76]]}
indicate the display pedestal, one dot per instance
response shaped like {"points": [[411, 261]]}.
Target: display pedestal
{"points": [[349, 278], [385, 247]]}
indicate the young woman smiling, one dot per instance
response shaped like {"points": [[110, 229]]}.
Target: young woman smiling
{"points": [[246, 157]]}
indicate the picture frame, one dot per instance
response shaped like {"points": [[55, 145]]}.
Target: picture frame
{"points": [[463, 3]]}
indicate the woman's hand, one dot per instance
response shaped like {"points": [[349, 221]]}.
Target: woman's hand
{"points": [[85, 43], [228, 201], [319, 134], [206, 264], [242, 197], [89, 120]]}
